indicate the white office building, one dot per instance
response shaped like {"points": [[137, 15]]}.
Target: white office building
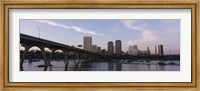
{"points": [[133, 50]]}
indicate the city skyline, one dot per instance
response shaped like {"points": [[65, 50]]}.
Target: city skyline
{"points": [[131, 32]]}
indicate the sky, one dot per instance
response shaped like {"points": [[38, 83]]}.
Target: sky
{"points": [[143, 33]]}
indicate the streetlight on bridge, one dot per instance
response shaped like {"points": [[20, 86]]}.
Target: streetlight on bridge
{"points": [[39, 31]]}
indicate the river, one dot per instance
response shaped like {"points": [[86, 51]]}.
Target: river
{"points": [[102, 65]]}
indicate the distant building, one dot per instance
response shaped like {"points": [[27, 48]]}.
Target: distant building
{"points": [[94, 48], [148, 51], [87, 43], [155, 50], [139, 52], [103, 52], [118, 47], [133, 50], [114, 51], [110, 48], [160, 50], [144, 52], [135, 47], [99, 50]]}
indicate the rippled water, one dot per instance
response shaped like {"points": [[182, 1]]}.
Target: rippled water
{"points": [[115, 65]]}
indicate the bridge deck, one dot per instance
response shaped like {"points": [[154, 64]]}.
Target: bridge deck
{"points": [[30, 40]]}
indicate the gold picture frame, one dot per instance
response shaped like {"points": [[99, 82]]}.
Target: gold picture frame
{"points": [[129, 4]]}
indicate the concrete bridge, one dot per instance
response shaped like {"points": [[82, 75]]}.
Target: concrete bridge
{"points": [[28, 42]]}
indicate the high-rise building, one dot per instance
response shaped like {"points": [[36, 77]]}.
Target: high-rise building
{"points": [[135, 47], [110, 48], [155, 50], [148, 51], [118, 47], [94, 48], [99, 49], [160, 50], [103, 52], [114, 51], [133, 50], [87, 43]]}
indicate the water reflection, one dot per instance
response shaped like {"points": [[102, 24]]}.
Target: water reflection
{"points": [[105, 65], [161, 67], [118, 66], [110, 66]]}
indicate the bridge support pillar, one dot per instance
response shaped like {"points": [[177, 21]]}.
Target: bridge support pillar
{"points": [[27, 47], [82, 56], [50, 58], [90, 57], [66, 59], [44, 57], [78, 61], [85, 56], [96, 57], [93, 57]]}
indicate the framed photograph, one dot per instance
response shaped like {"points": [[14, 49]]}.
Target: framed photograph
{"points": [[100, 45]]}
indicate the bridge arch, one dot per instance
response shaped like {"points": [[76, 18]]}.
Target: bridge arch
{"points": [[59, 50], [28, 41], [29, 48]]}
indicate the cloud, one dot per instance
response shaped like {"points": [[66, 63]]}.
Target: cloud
{"points": [[146, 35], [75, 28], [155, 32]]}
